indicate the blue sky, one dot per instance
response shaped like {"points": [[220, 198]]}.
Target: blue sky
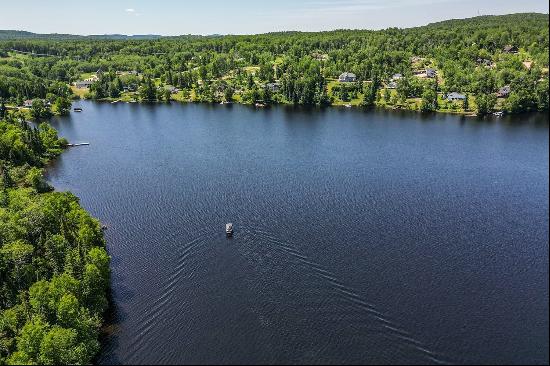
{"points": [[171, 17]]}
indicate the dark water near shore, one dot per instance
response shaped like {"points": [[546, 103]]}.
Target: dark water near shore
{"points": [[361, 237]]}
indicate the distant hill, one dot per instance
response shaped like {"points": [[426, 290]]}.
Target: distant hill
{"points": [[13, 34], [484, 21]]}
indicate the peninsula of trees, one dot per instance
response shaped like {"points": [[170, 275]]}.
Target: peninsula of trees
{"points": [[477, 65], [54, 268]]}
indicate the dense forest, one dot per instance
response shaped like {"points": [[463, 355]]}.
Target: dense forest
{"points": [[478, 65], [54, 268]]}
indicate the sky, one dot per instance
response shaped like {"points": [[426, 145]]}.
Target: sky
{"points": [[172, 17]]}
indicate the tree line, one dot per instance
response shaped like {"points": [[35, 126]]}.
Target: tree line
{"points": [[468, 55], [54, 268]]}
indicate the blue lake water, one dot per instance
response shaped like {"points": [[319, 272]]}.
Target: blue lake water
{"points": [[360, 237]]}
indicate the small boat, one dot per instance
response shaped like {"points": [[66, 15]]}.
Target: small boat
{"points": [[229, 229], [77, 109], [114, 102], [498, 114], [347, 105], [260, 105]]}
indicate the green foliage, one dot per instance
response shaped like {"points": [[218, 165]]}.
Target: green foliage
{"points": [[485, 103], [302, 64], [429, 101], [40, 110], [62, 105], [53, 263]]}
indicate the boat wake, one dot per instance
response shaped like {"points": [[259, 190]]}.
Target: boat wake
{"points": [[288, 293], [368, 318]]}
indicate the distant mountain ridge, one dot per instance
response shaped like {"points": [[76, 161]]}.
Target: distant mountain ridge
{"points": [[14, 34], [486, 20]]}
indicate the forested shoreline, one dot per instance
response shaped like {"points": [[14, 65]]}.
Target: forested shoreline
{"points": [[53, 263], [478, 66]]}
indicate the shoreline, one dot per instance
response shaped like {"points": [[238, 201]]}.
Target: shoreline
{"points": [[386, 107]]}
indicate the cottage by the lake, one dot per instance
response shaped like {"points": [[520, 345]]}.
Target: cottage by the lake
{"points": [[454, 96], [85, 84]]}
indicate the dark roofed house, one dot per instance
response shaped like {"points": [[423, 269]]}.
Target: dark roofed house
{"points": [[347, 77], [431, 73], [83, 84], [511, 49], [454, 96], [504, 92]]}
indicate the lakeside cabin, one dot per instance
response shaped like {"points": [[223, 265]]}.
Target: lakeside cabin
{"points": [[504, 92], [85, 84], [347, 77], [27, 103], [454, 96]]}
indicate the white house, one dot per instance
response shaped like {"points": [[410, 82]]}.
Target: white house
{"points": [[347, 77], [455, 96]]}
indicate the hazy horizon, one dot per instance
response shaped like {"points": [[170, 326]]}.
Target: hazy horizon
{"points": [[168, 18]]}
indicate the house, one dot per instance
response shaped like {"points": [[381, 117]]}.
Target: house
{"points": [[27, 103], [504, 92], [84, 84], [392, 85], [172, 89], [347, 77], [484, 62], [92, 78], [396, 77], [511, 49], [273, 87], [431, 73], [130, 88], [451, 97]]}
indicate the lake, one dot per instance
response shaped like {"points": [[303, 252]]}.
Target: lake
{"points": [[360, 236]]}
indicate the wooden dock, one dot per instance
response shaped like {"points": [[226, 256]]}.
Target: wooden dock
{"points": [[80, 144]]}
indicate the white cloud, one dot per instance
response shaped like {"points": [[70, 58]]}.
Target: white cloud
{"points": [[130, 10]]}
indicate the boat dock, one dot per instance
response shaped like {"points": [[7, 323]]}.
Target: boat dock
{"points": [[80, 144]]}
